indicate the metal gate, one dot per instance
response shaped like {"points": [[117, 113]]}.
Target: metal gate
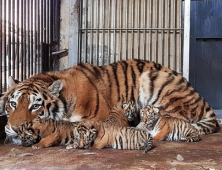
{"points": [[29, 30], [112, 30]]}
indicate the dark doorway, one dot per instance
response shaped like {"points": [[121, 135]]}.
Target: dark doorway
{"points": [[206, 51]]}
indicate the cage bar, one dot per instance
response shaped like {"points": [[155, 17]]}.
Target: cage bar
{"points": [[26, 32]]}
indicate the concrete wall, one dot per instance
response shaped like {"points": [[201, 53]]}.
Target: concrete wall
{"points": [[64, 33]]}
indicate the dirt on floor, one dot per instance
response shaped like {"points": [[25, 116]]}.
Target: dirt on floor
{"points": [[206, 155]]}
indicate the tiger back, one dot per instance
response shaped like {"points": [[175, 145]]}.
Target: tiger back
{"points": [[165, 127], [46, 132]]}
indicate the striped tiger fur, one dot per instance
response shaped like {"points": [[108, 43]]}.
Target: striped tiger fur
{"points": [[104, 134], [46, 132], [165, 127], [88, 92]]}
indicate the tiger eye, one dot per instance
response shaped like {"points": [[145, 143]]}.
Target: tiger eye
{"points": [[13, 104]]}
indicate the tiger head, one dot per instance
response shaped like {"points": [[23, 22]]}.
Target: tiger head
{"points": [[30, 132], [30, 99], [149, 115], [85, 135]]}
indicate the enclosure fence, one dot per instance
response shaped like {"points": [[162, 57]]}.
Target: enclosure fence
{"points": [[29, 29], [112, 30]]}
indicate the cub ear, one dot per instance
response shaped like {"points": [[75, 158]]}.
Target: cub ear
{"points": [[156, 109], [125, 106], [12, 82], [56, 87], [93, 130]]}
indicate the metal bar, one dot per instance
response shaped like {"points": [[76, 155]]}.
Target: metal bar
{"points": [[126, 37], [80, 34], [129, 29], [5, 47], [114, 33], [35, 36], [132, 25], [144, 32], [168, 38], [38, 35], [1, 20], [103, 25], [120, 33], [17, 40], [162, 36], [45, 45], [180, 35], [31, 36], [13, 37], [186, 45], [97, 25], [150, 32], [156, 35], [28, 38], [174, 36], [24, 34], [22, 39], [48, 36], [108, 60], [138, 33], [51, 33], [85, 33], [91, 35], [9, 39]]}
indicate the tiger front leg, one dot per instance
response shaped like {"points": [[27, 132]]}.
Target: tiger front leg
{"points": [[48, 141]]}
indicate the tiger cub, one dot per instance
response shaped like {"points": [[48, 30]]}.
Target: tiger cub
{"points": [[42, 133], [103, 134], [122, 114], [164, 127], [113, 132]]}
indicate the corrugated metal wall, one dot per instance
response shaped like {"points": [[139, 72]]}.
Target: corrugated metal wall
{"points": [[112, 30], [28, 31]]}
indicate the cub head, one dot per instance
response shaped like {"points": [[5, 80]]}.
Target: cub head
{"points": [[130, 110], [85, 135], [30, 99], [30, 132], [149, 115]]}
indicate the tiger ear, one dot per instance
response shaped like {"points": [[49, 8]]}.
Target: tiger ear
{"points": [[56, 87], [12, 82]]}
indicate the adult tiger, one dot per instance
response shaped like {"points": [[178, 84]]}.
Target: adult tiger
{"points": [[88, 92]]}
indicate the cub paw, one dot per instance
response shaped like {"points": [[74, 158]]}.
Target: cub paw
{"points": [[130, 110], [190, 139]]}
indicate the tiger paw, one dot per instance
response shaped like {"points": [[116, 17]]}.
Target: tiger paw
{"points": [[190, 139], [72, 146], [37, 146], [130, 110]]}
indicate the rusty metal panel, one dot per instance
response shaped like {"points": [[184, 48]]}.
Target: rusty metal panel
{"points": [[112, 30]]}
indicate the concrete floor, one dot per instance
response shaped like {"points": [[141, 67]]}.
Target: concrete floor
{"points": [[206, 155]]}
